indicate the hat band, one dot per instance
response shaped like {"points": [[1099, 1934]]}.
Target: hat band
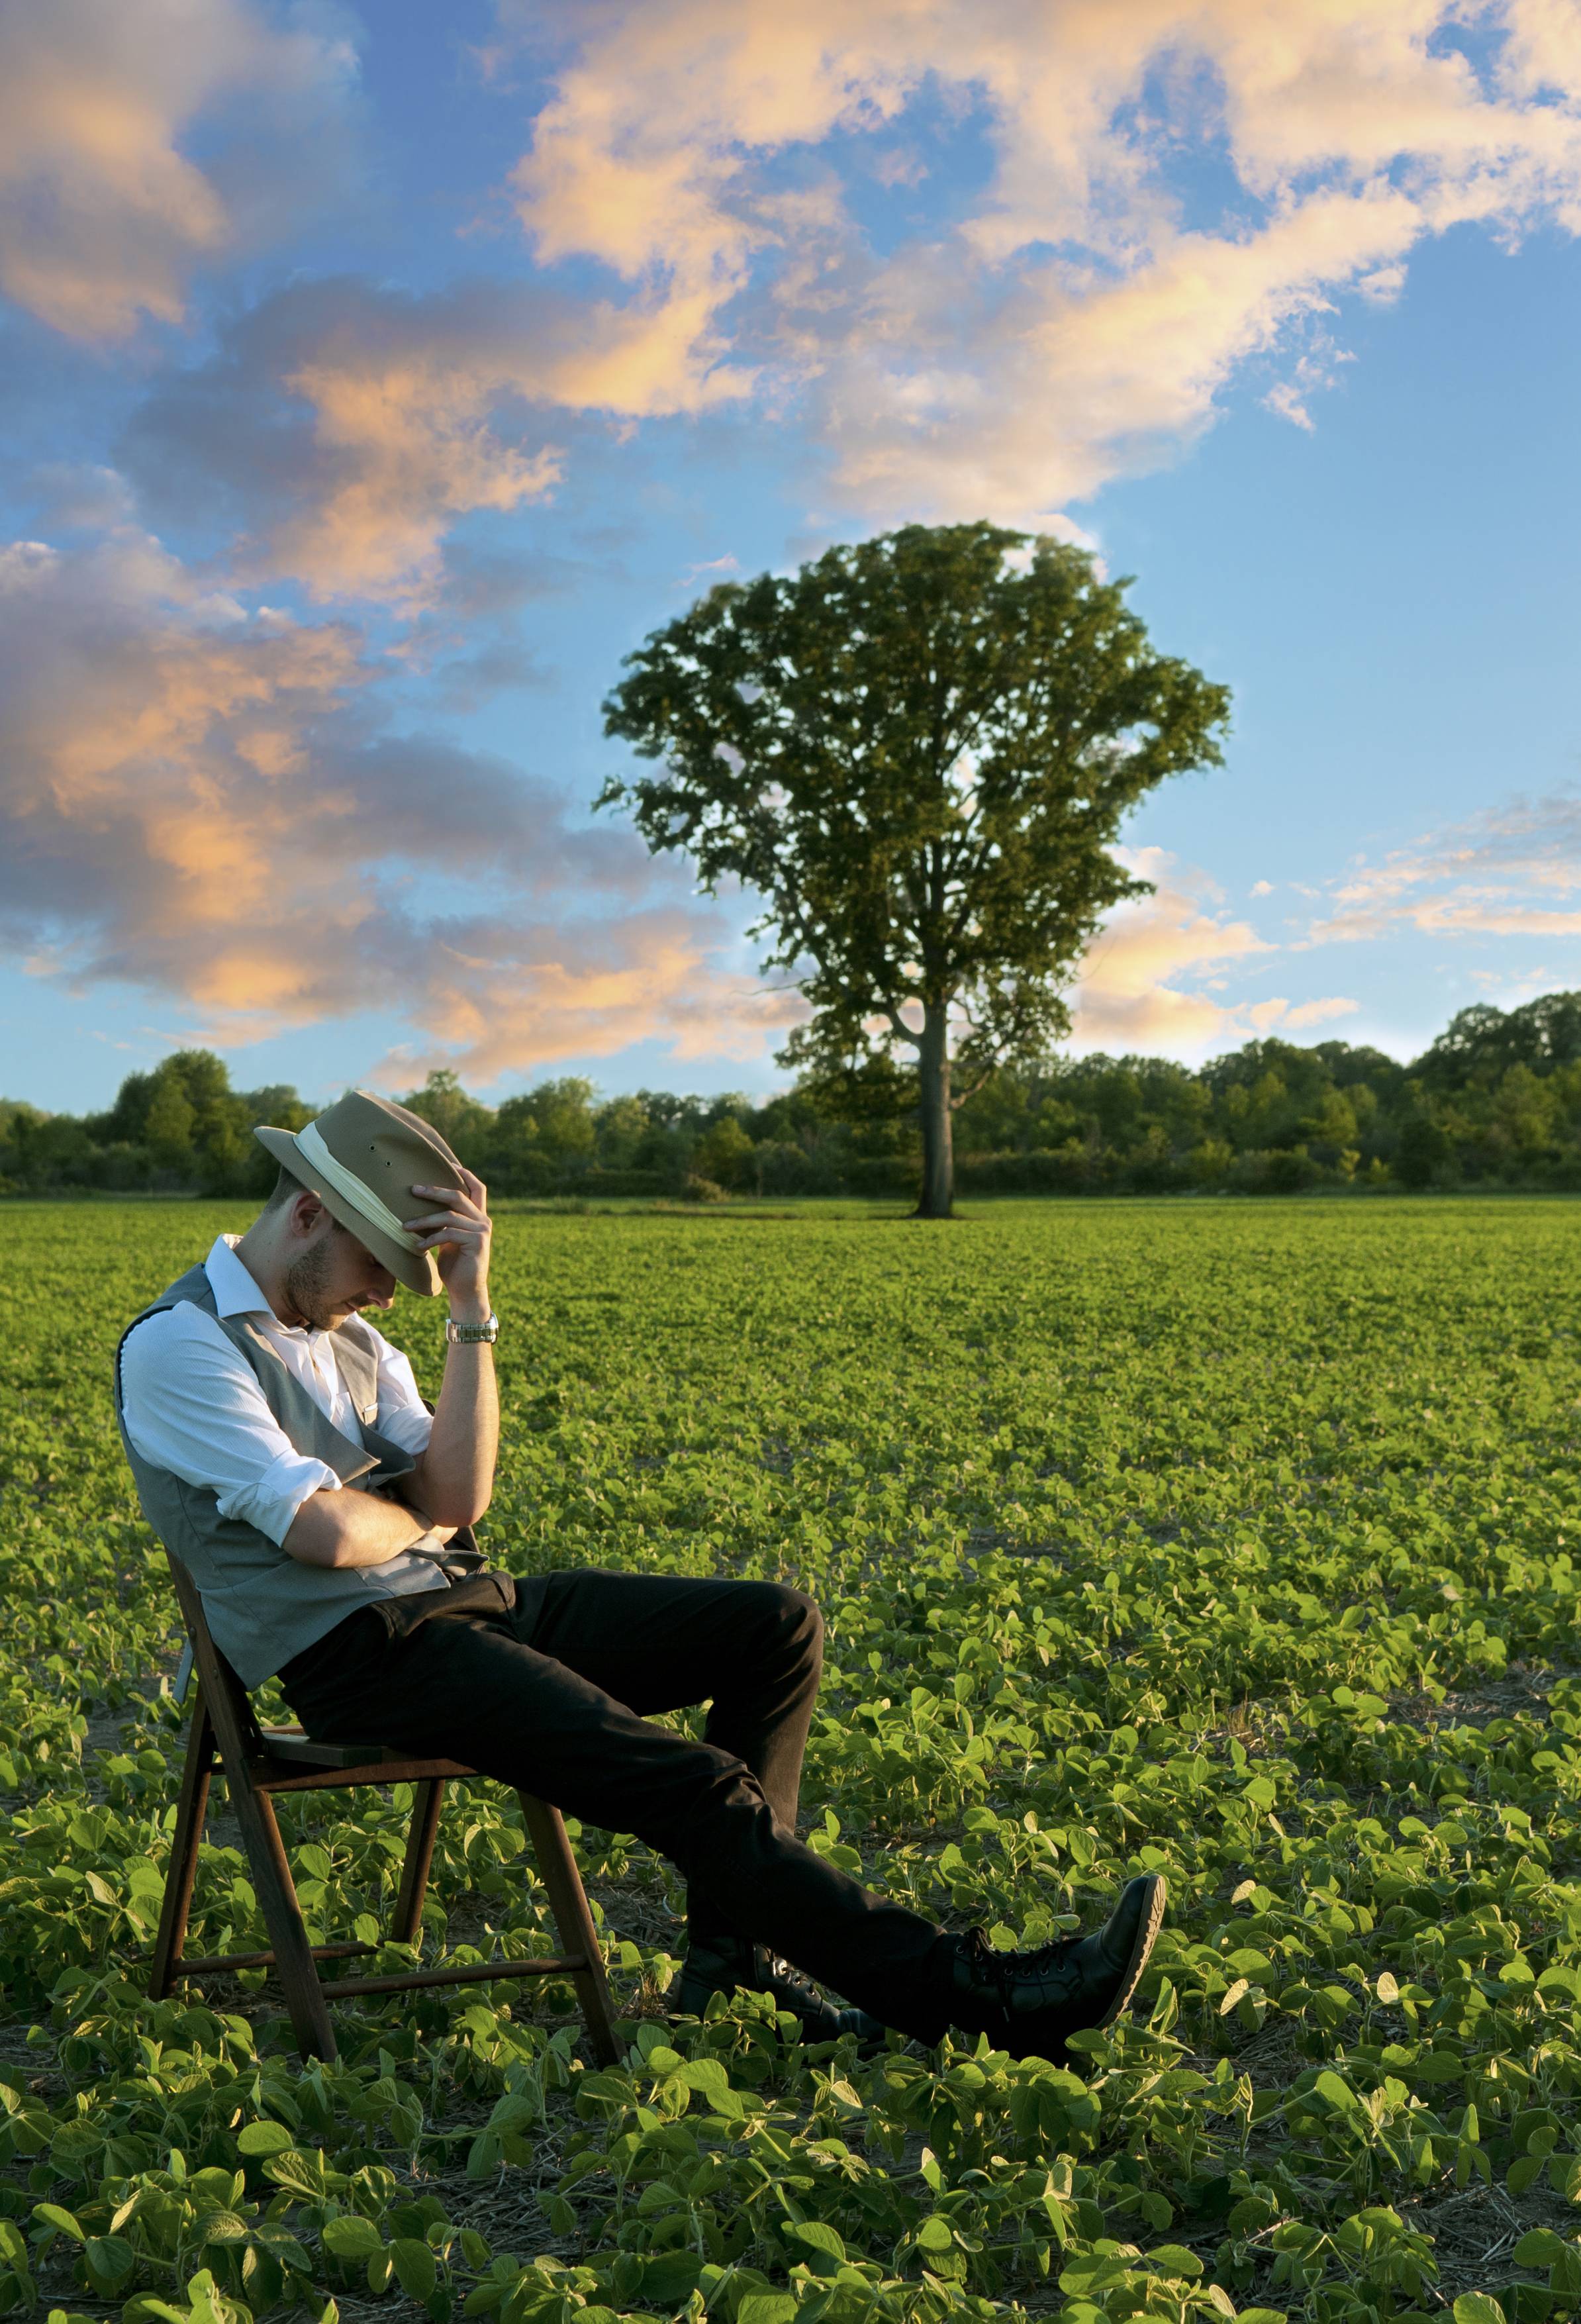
{"points": [[354, 1190]]}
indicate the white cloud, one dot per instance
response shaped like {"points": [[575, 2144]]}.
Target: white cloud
{"points": [[1506, 872], [1155, 979], [346, 427], [1137, 989], [1317, 1012], [1066, 322], [1073, 319], [102, 215], [713, 569], [203, 803]]}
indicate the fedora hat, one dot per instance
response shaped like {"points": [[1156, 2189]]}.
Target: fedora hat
{"points": [[361, 1156]]}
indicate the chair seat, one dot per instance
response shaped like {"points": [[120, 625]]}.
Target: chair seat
{"points": [[291, 1761], [295, 1743]]}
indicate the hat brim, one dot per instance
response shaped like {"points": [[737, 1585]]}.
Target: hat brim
{"points": [[413, 1269]]}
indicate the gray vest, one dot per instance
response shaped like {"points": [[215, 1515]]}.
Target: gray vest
{"points": [[261, 1605]]}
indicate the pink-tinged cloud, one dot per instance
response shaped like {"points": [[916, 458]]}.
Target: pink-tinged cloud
{"points": [[203, 803], [346, 428], [1155, 977], [103, 216], [1502, 874], [1317, 1012], [500, 999], [1137, 988], [1068, 323]]}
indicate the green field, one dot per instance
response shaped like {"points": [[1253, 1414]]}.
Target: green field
{"points": [[1232, 1541]]}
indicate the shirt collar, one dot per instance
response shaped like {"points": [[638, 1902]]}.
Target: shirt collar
{"points": [[235, 1291]]}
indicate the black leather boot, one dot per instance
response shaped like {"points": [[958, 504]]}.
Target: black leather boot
{"points": [[723, 1964], [1030, 2003]]}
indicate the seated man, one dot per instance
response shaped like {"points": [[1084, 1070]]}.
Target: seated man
{"points": [[284, 1455]]}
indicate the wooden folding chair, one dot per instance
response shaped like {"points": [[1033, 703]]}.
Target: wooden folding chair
{"points": [[257, 1762]]}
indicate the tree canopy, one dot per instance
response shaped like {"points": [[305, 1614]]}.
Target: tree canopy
{"points": [[918, 750]]}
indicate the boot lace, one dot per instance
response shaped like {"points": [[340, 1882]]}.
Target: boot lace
{"points": [[999, 1968], [785, 1974]]}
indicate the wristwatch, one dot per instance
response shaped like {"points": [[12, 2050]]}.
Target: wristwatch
{"points": [[463, 1335]]}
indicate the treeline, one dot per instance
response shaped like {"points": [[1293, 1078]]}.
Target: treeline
{"points": [[1495, 1102]]}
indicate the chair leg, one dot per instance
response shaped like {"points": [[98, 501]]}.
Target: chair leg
{"points": [[282, 1916], [191, 1807], [572, 1920], [419, 1855]]}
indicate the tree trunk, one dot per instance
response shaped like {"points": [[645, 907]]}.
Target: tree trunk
{"points": [[938, 1195]]}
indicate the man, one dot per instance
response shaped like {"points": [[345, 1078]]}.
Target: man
{"points": [[283, 1453]]}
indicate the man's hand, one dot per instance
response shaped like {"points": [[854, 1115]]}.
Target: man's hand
{"points": [[459, 1232], [454, 1477]]}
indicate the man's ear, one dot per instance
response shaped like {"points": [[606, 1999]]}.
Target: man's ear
{"points": [[306, 1210]]}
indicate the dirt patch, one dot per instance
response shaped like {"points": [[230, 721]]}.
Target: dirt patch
{"points": [[1524, 1689]]}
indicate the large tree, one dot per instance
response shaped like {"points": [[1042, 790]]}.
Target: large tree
{"points": [[918, 750]]}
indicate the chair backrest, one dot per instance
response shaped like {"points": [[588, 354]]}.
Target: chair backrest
{"points": [[229, 1705]]}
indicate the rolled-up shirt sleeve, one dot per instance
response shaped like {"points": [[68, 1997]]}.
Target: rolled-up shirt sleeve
{"points": [[192, 1405]]}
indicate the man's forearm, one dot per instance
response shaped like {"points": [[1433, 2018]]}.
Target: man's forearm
{"points": [[455, 1478], [456, 1475], [351, 1528]]}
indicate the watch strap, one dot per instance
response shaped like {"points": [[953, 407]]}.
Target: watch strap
{"points": [[465, 1336]]}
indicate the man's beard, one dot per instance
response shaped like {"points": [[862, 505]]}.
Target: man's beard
{"points": [[306, 1285]]}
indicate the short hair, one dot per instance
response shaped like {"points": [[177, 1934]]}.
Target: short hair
{"points": [[285, 1190]]}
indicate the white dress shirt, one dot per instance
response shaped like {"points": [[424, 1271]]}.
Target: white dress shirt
{"points": [[192, 1402]]}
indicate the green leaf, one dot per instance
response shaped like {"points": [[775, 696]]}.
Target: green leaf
{"points": [[671, 2278], [224, 2227], [707, 2077], [351, 2238], [1175, 2259], [51, 2215], [484, 2155], [820, 2237], [1478, 2307], [1438, 2066], [416, 2269], [265, 2138], [110, 2260]]}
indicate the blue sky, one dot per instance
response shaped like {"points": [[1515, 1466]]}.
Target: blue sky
{"points": [[372, 384]]}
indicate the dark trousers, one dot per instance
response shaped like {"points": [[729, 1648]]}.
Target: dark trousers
{"points": [[550, 1684]]}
